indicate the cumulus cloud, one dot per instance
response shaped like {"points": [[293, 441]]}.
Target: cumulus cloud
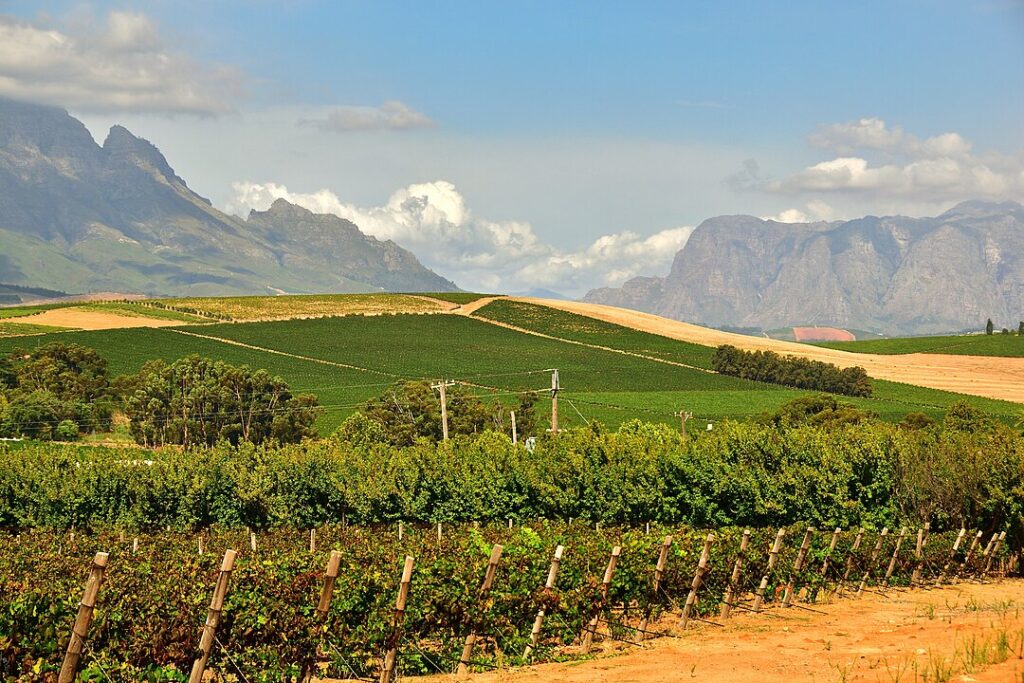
{"points": [[877, 160], [813, 211], [392, 115], [433, 220], [118, 64]]}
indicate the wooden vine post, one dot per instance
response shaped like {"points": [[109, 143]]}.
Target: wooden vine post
{"points": [[871, 563], [591, 628], [970, 552], [995, 551], [850, 560], [732, 591], [397, 622], [698, 580], [985, 555], [952, 556], [659, 573], [922, 541], [213, 617], [895, 558], [773, 557], [549, 585], [80, 630], [323, 607], [798, 566], [485, 588], [826, 563]]}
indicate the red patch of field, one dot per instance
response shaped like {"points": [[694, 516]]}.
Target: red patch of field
{"points": [[814, 334]]}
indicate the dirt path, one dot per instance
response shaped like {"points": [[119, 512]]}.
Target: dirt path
{"points": [[83, 319], [992, 377], [474, 306], [873, 639]]}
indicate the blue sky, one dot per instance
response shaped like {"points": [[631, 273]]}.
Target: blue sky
{"points": [[546, 128]]}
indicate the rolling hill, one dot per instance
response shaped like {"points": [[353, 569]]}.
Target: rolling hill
{"points": [[609, 372]]}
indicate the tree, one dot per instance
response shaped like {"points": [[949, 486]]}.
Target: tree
{"points": [[963, 417], [412, 410], [989, 327], [915, 421], [1020, 329], [198, 401], [819, 410], [53, 384]]}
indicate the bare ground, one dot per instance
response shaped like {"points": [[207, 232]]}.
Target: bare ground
{"points": [[874, 638], [84, 319], [989, 376]]}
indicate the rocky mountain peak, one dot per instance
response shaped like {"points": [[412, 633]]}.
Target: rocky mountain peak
{"points": [[895, 275], [77, 217], [125, 148], [978, 208]]}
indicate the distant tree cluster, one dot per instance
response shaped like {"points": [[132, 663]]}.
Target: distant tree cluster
{"points": [[60, 391], [56, 391], [197, 401], [990, 328], [767, 366], [410, 411]]}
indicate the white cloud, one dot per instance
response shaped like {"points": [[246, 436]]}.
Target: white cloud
{"points": [[120, 64], [433, 220], [815, 210], [878, 161], [392, 115]]}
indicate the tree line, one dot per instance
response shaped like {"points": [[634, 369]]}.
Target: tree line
{"points": [[791, 371], [990, 328]]}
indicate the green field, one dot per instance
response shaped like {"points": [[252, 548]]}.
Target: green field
{"points": [[22, 311], [1008, 345], [346, 360], [14, 329]]}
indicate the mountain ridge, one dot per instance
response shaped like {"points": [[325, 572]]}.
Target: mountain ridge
{"points": [[79, 216], [891, 274]]}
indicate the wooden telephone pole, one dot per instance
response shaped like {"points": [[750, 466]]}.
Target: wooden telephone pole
{"points": [[442, 386], [555, 386], [683, 417]]}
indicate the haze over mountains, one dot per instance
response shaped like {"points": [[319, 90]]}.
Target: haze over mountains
{"points": [[79, 217], [895, 274]]}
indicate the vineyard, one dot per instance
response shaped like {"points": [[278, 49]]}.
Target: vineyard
{"points": [[278, 620], [610, 374]]}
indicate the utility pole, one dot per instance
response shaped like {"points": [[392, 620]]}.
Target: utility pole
{"points": [[555, 386], [515, 436], [442, 386], [683, 417]]}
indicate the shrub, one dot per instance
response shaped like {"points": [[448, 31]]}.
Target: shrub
{"points": [[67, 430]]}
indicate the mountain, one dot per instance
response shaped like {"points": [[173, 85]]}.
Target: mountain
{"points": [[895, 275], [78, 217]]}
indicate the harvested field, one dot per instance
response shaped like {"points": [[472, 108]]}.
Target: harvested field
{"points": [[989, 376], [831, 334], [85, 319], [896, 637]]}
